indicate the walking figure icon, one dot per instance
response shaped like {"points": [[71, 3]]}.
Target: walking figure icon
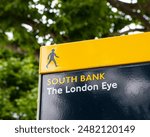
{"points": [[51, 58]]}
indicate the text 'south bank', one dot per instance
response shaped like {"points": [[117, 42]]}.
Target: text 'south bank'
{"points": [[105, 79]]}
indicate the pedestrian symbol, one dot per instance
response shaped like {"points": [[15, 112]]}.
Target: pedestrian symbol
{"points": [[51, 58]]}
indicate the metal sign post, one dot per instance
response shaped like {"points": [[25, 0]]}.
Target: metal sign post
{"points": [[105, 79]]}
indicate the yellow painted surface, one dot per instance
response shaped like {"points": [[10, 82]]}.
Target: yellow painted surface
{"points": [[97, 53]]}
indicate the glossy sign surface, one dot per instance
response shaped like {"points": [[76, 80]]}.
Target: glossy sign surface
{"points": [[109, 93], [87, 54]]}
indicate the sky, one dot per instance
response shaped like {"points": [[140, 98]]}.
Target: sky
{"points": [[132, 25], [129, 1]]}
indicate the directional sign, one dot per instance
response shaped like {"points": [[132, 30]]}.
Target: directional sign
{"points": [[105, 79]]}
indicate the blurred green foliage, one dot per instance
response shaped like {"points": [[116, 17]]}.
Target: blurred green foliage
{"points": [[18, 86], [26, 25]]}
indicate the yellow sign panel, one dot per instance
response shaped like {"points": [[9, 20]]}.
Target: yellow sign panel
{"points": [[95, 53]]}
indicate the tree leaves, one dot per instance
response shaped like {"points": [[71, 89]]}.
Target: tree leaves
{"points": [[35, 23], [18, 83]]}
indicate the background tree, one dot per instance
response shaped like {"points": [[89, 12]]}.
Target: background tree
{"points": [[26, 25]]}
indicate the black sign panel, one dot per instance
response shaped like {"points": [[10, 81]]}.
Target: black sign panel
{"points": [[110, 93]]}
